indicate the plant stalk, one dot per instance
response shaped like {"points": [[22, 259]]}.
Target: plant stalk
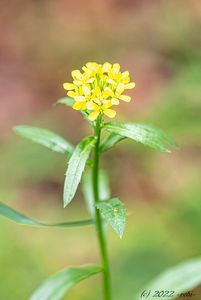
{"points": [[98, 219]]}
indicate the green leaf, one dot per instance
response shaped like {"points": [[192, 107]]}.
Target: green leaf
{"points": [[87, 188], [114, 213], [110, 141], [56, 286], [145, 134], [19, 218], [45, 137], [65, 100], [76, 167], [179, 279]]}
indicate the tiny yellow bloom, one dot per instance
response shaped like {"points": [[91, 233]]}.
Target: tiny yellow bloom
{"points": [[96, 88], [100, 109]]}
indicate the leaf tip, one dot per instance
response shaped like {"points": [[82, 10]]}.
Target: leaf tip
{"points": [[64, 203], [121, 233]]}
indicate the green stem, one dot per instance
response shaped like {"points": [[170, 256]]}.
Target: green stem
{"points": [[99, 222]]}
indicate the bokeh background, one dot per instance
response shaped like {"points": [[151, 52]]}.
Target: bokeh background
{"points": [[159, 42]]}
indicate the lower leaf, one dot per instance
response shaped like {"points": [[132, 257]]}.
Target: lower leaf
{"points": [[21, 219], [177, 280], [56, 286]]}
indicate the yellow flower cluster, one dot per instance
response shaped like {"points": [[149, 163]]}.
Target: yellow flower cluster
{"points": [[98, 88]]}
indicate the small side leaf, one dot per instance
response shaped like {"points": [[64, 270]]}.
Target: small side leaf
{"points": [[145, 134], [76, 167], [104, 190], [21, 219], [65, 100], [179, 279], [45, 137], [56, 286], [110, 141], [114, 213]]}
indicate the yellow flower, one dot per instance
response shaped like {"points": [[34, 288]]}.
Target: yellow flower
{"points": [[97, 88], [98, 109]]}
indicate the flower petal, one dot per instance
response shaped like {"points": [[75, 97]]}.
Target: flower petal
{"points": [[80, 98], [68, 86], [130, 85], [77, 105], [106, 67], [116, 68], [110, 113], [92, 66], [97, 101], [106, 105], [92, 106], [115, 101], [83, 105], [124, 74], [108, 92], [120, 88], [90, 80], [76, 74], [92, 116], [77, 82], [71, 94], [125, 77], [107, 102], [125, 98], [86, 90], [97, 91], [111, 81]]}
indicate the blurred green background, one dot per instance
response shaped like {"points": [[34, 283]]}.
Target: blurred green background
{"points": [[159, 43]]}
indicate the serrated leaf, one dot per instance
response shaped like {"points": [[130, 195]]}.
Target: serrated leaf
{"points": [[113, 211], [45, 137], [65, 100], [21, 219], [56, 286], [87, 188], [110, 142], [145, 134], [76, 167], [181, 278]]}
